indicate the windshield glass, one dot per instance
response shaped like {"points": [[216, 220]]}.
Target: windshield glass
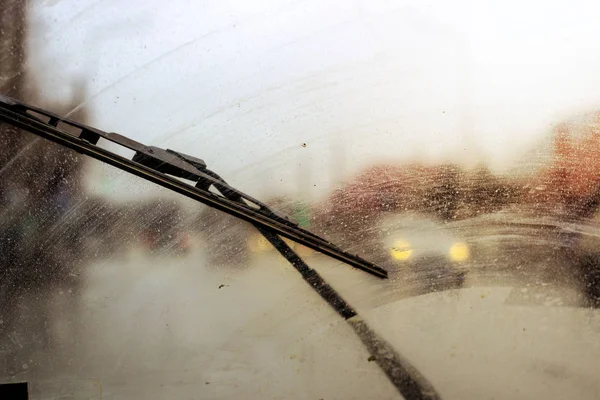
{"points": [[455, 145]]}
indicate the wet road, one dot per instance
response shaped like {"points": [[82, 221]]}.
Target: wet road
{"points": [[156, 328]]}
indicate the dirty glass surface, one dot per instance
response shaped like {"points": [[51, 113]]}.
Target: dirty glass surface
{"points": [[455, 144]]}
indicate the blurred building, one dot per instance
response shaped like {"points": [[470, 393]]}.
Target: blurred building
{"points": [[570, 177]]}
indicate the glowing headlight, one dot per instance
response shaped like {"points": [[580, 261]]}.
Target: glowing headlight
{"points": [[258, 244], [401, 251], [459, 252]]}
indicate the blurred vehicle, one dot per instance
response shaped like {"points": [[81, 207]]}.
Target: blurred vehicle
{"points": [[419, 245], [545, 253], [443, 192]]}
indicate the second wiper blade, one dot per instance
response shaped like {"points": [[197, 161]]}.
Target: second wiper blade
{"points": [[163, 167]]}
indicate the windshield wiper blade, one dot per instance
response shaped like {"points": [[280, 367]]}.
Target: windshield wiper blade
{"points": [[163, 167]]}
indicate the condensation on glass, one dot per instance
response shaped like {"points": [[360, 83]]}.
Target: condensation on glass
{"points": [[452, 145]]}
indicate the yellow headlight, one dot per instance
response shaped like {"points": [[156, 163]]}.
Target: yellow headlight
{"points": [[258, 244], [459, 252], [401, 251]]}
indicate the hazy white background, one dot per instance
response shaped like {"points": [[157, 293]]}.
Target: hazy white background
{"points": [[243, 84]]}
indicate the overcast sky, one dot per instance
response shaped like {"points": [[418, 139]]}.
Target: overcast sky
{"points": [[245, 84]]}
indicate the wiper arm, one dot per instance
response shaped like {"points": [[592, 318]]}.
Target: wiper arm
{"points": [[163, 167]]}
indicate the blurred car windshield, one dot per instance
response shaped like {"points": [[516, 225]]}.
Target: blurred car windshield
{"points": [[454, 144]]}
